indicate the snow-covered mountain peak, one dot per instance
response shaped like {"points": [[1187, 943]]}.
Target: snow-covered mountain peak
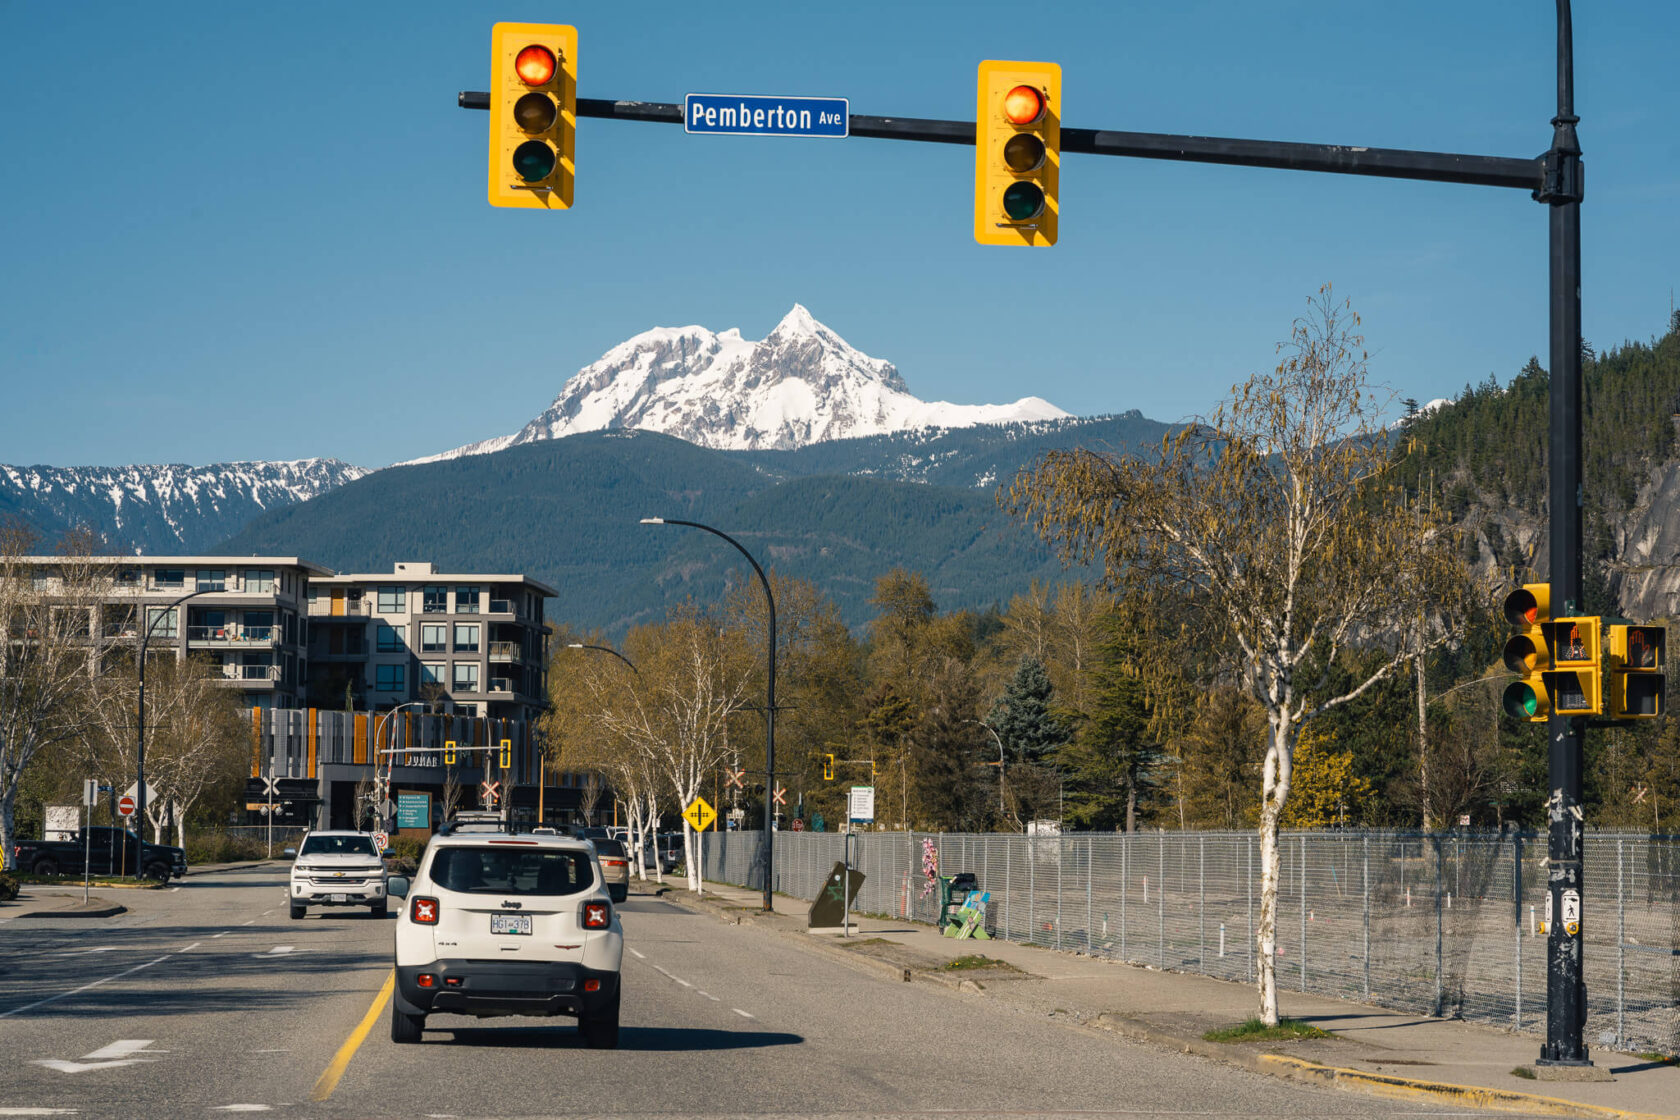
{"points": [[802, 383]]}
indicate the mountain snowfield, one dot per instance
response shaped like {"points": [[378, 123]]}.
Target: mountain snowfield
{"points": [[801, 384]]}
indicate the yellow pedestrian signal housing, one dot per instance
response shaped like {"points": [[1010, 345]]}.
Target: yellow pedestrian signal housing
{"points": [[1636, 657], [449, 753], [533, 115], [828, 768], [1017, 153], [507, 754], [1528, 652], [1575, 681]]}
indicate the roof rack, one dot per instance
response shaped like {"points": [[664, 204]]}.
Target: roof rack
{"points": [[474, 820]]}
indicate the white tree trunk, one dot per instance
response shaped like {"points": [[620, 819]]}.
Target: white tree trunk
{"points": [[1275, 779], [653, 837]]}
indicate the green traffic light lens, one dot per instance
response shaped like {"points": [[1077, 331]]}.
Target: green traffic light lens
{"points": [[535, 112], [533, 161], [1520, 701], [1024, 153], [1023, 201]]}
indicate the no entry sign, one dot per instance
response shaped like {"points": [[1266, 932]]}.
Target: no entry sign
{"points": [[125, 806]]}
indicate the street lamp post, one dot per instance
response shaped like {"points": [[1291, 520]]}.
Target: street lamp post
{"points": [[606, 649], [1003, 810], [381, 786], [766, 848], [140, 713], [544, 778]]}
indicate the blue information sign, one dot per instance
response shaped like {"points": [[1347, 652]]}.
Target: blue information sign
{"points": [[748, 115], [414, 810]]}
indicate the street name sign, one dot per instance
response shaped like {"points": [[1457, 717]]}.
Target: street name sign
{"points": [[755, 115], [699, 814]]}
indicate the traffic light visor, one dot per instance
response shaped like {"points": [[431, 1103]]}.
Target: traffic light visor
{"points": [[1023, 105], [535, 65]]}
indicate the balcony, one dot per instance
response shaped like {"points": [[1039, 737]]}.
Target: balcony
{"points": [[251, 672], [501, 686], [501, 606], [504, 651], [234, 634]]}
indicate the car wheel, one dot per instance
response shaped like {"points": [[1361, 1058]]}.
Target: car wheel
{"points": [[618, 894], [299, 911], [158, 871], [405, 1027], [600, 1030], [46, 867], [378, 909]]}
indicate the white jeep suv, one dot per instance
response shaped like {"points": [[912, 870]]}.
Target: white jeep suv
{"points": [[338, 869], [501, 923]]}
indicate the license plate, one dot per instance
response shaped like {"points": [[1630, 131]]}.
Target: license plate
{"points": [[338, 898], [510, 923]]}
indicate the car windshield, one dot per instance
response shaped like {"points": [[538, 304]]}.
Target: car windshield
{"points": [[499, 871], [609, 847], [337, 846]]}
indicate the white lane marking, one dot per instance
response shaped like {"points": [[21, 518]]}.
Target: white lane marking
{"points": [[36, 1111], [83, 988], [241, 1108], [224, 933], [278, 951], [174, 890], [95, 949], [633, 952], [252, 922], [271, 1051], [119, 1053], [709, 996], [189, 948], [742, 1014], [3, 921]]}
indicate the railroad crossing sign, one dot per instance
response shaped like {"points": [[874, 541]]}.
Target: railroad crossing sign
{"points": [[125, 806], [700, 814], [780, 795], [270, 785], [491, 793], [733, 778]]}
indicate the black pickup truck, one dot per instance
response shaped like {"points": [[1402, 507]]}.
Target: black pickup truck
{"points": [[108, 851]]}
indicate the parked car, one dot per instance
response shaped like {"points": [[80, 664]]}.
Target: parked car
{"points": [[507, 924], [105, 850], [665, 850], [338, 869], [615, 867]]}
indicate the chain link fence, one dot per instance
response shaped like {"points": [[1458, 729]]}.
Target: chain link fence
{"points": [[1446, 924]]}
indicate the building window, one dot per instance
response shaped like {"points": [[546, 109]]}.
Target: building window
{"points": [[259, 581], [169, 577], [470, 711], [435, 600], [389, 678], [432, 672], [466, 637], [393, 600], [392, 639], [434, 637], [466, 600], [128, 575], [466, 676], [162, 622], [212, 579]]}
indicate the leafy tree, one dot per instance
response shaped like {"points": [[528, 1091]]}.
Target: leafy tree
{"points": [[1282, 512], [1328, 790]]}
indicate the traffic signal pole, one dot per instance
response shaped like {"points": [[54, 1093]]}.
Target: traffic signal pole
{"points": [[1554, 179]]}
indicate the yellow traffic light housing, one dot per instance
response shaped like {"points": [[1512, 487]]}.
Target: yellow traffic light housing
{"points": [[1529, 653], [828, 768], [1636, 658], [507, 754], [449, 752], [1017, 153], [533, 115], [1575, 682]]}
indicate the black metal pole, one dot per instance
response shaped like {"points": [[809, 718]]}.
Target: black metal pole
{"points": [[140, 720], [766, 849], [1566, 1003]]}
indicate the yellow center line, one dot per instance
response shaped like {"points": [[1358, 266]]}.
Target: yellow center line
{"points": [[328, 1080]]}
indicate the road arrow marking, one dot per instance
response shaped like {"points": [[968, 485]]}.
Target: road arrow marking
{"points": [[106, 1057]]}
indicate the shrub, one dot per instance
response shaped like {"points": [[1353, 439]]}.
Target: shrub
{"points": [[8, 888], [219, 847]]}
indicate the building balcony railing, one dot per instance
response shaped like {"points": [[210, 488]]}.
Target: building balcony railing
{"points": [[234, 634], [501, 606], [251, 672], [504, 651], [501, 686]]}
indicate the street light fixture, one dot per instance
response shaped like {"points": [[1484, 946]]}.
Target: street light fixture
{"points": [[1003, 809], [766, 849], [544, 778], [140, 711], [606, 649]]}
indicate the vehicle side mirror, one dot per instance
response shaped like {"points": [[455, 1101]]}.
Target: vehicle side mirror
{"points": [[292, 852], [397, 886]]}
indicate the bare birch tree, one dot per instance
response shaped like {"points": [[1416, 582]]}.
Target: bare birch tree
{"points": [[1280, 514]]}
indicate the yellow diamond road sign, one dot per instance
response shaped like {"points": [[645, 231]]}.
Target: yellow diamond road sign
{"points": [[699, 814]]}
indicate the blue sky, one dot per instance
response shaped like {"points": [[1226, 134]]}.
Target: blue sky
{"points": [[239, 231]]}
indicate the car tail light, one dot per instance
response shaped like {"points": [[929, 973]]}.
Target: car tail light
{"points": [[596, 915], [591, 985], [423, 911], [426, 980], [616, 862]]}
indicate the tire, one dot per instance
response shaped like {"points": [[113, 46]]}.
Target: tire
{"points": [[298, 912], [600, 1031], [618, 894], [405, 1027], [46, 866], [158, 871], [378, 909]]}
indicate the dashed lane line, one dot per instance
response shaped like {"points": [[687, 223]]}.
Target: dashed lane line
{"points": [[83, 988], [709, 996], [633, 952], [194, 945], [743, 1014]]}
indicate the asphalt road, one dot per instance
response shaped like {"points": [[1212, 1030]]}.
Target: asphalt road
{"points": [[208, 999]]}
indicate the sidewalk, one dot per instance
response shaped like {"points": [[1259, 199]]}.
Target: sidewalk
{"points": [[1375, 1051]]}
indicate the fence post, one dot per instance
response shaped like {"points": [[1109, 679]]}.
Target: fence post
{"points": [[1201, 905], [1516, 916], [1125, 886], [1061, 858], [1439, 925], [1621, 951], [1032, 891], [1161, 903], [1301, 851], [1365, 854], [1249, 846], [1090, 843], [1008, 842]]}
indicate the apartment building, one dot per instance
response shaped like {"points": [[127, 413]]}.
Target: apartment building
{"points": [[475, 644]]}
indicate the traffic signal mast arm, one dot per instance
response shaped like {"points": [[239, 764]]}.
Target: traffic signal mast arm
{"points": [[1341, 159]]}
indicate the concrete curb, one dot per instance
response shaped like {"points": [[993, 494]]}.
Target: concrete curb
{"points": [[221, 867], [1469, 1096], [95, 910]]}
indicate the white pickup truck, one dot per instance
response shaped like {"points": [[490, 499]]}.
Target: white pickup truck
{"points": [[338, 869]]}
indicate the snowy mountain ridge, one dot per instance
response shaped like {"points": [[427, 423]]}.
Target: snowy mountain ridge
{"points": [[801, 384]]}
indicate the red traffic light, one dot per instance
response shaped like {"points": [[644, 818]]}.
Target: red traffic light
{"points": [[535, 65], [1023, 105]]}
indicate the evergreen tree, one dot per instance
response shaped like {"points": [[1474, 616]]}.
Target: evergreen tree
{"points": [[1113, 762], [1022, 715]]}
